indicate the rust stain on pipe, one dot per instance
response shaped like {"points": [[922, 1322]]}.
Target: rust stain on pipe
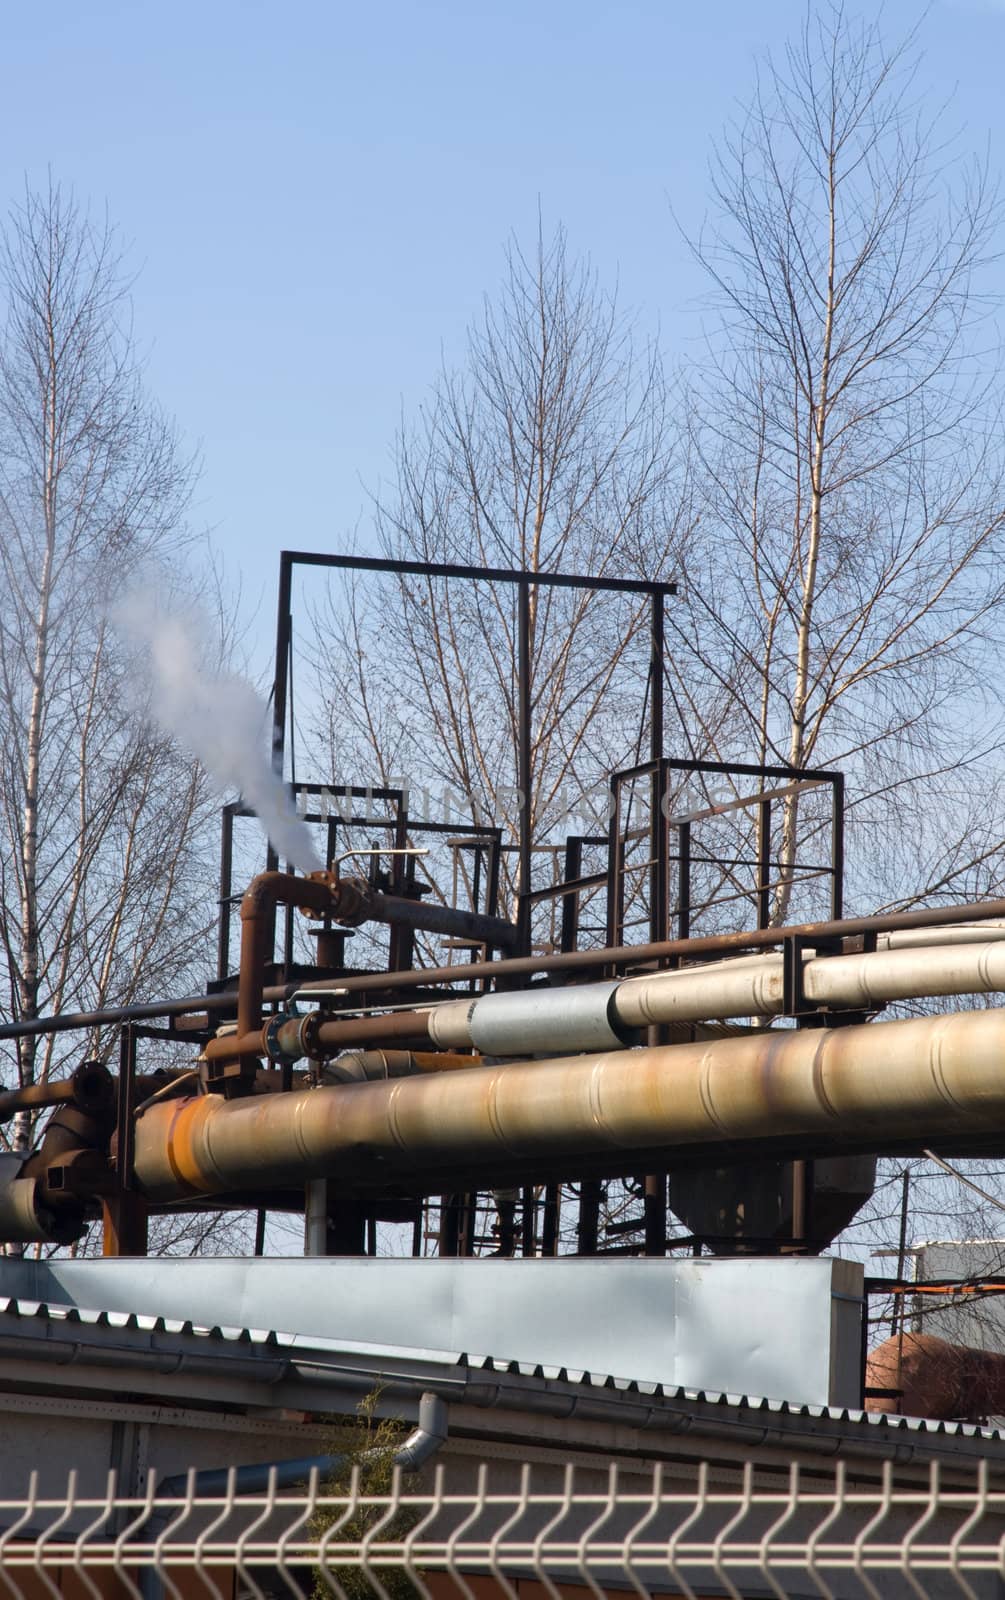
{"points": [[864, 1086]]}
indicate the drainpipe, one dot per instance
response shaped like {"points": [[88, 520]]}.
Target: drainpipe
{"points": [[410, 1456]]}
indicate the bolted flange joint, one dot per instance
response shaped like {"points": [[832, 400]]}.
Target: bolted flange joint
{"points": [[288, 1039]]}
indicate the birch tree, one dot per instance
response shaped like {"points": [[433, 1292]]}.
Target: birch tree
{"points": [[102, 823], [850, 440], [551, 449]]}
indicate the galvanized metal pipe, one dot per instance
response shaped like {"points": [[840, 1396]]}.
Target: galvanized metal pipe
{"points": [[864, 1087]]}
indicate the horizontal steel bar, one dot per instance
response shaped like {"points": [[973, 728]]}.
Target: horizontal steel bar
{"points": [[449, 569]]}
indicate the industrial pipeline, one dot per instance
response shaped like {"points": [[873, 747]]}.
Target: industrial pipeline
{"points": [[542, 1084]]}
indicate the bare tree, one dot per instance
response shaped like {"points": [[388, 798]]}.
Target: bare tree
{"points": [[849, 434], [550, 451], [102, 822]]}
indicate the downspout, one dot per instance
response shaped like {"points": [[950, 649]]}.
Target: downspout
{"points": [[256, 1478]]}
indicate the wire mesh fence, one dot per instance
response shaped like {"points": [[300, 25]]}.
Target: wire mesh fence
{"points": [[630, 1536]]}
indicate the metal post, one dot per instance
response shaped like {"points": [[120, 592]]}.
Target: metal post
{"points": [[657, 831], [684, 881], [124, 1212], [226, 886], [549, 1221], [590, 1192], [570, 902], [905, 1200], [284, 635], [837, 846], [802, 1201], [524, 763], [764, 863], [655, 1213], [615, 870], [528, 1222]]}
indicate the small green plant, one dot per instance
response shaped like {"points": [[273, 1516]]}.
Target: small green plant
{"points": [[369, 1443]]}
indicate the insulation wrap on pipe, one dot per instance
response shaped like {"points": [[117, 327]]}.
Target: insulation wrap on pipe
{"points": [[856, 1087], [858, 981]]}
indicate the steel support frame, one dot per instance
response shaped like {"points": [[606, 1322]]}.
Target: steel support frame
{"points": [[526, 583]]}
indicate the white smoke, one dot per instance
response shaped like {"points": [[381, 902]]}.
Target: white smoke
{"points": [[218, 717]]}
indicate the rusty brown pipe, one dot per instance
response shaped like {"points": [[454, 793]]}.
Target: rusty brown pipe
{"points": [[91, 1087], [296, 1037], [263, 895], [851, 930]]}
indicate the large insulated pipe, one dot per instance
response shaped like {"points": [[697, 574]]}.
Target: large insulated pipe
{"points": [[866, 1088], [860, 982], [599, 1015]]}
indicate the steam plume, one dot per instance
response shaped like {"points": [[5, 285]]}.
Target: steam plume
{"points": [[218, 717]]}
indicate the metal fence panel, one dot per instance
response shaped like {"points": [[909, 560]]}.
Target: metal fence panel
{"points": [[805, 1536]]}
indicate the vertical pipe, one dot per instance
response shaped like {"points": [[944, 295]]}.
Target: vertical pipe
{"points": [[764, 863], [655, 1214], [524, 765], [837, 847], [402, 941], [655, 1202], [469, 1221], [284, 634], [684, 881], [491, 900], [226, 888], [315, 1217], [549, 1219], [450, 1230], [657, 831], [589, 1216], [905, 1194], [124, 1212], [802, 1201], [528, 1218], [615, 869], [570, 902]]}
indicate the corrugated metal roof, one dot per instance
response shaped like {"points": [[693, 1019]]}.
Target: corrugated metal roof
{"points": [[42, 1318]]}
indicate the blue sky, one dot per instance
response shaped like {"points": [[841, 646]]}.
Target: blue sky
{"points": [[316, 196]]}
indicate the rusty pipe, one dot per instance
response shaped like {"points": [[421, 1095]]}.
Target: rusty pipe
{"points": [[572, 1019], [356, 901], [263, 894], [90, 1086], [292, 1038], [868, 1087], [368, 1066]]}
